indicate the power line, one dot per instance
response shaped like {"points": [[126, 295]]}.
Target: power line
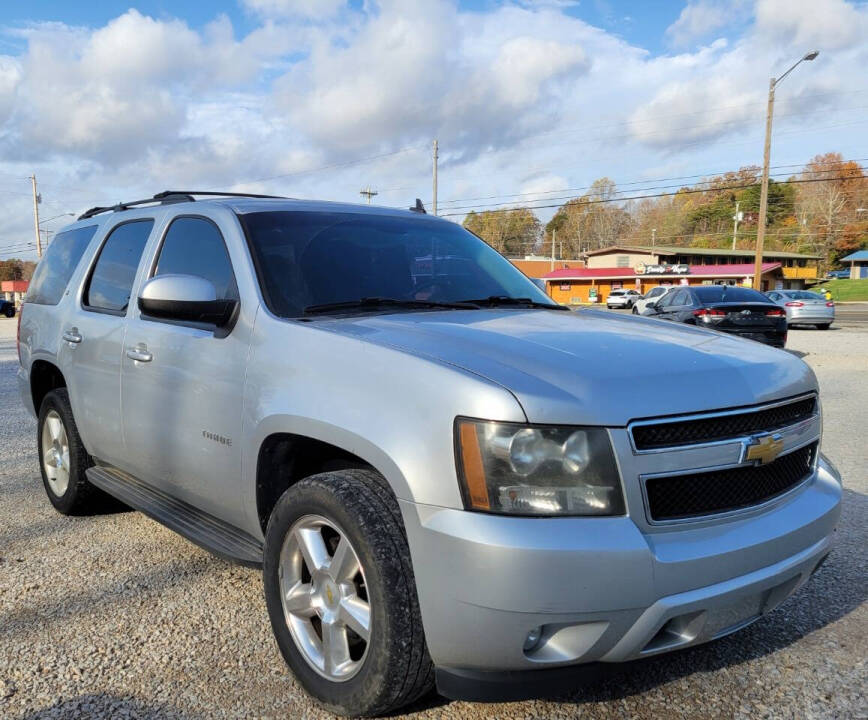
{"points": [[688, 191], [711, 178]]}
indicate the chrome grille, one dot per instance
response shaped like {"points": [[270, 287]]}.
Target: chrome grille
{"points": [[719, 491], [724, 426]]}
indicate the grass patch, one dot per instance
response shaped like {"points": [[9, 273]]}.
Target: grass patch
{"points": [[844, 290]]}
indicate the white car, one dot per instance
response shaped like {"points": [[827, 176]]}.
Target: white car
{"points": [[649, 298], [622, 299]]}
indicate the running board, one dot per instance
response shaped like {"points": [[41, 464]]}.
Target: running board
{"points": [[205, 530]]}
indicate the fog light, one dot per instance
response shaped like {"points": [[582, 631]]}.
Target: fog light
{"points": [[532, 639]]}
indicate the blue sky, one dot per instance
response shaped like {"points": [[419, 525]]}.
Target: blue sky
{"points": [[531, 100]]}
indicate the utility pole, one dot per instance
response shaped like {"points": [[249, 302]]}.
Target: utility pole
{"points": [[554, 235], [434, 203], [368, 193], [764, 194], [764, 191], [36, 200], [653, 237], [735, 219]]}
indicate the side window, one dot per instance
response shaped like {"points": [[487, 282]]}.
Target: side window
{"points": [[57, 265], [665, 301], [681, 298], [111, 282], [194, 246]]}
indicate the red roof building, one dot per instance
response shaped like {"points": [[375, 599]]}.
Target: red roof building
{"points": [[13, 290], [573, 286]]}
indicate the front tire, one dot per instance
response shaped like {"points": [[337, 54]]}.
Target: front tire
{"points": [[635, 310], [63, 459], [341, 594]]}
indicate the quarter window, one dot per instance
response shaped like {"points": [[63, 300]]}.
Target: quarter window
{"points": [[56, 267], [194, 246], [111, 283]]}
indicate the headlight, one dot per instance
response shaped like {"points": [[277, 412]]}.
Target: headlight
{"points": [[537, 470]]}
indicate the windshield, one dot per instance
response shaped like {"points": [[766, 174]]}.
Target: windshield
{"points": [[728, 294], [306, 259]]}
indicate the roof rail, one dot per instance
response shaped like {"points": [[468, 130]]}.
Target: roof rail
{"points": [[168, 197]]}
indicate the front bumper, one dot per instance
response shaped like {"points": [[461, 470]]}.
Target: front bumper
{"points": [[602, 590]]}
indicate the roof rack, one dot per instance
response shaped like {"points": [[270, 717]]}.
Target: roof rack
{"points": [[168, 197]]}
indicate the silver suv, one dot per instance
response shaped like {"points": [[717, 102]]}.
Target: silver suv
{"points": [[446, 477]]}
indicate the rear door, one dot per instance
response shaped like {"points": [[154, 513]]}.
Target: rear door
{"points": [[93, 338], [182, 405]]}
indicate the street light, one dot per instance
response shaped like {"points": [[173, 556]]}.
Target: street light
{"points": [[764, 192]]}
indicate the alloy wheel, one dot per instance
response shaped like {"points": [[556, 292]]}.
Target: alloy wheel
{"points": [[55, 453], [324, 597]]}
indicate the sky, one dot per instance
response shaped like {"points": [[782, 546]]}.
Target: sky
{"points": [[530, 100]]}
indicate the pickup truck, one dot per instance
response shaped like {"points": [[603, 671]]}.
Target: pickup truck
{"points": [[446, 478]]}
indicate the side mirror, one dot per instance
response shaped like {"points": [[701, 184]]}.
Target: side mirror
{"points": [[187, 298]]}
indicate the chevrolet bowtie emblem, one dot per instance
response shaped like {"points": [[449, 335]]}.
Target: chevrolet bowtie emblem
{"points": [[763, 449]]}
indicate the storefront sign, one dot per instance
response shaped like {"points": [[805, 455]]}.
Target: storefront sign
{"points": [[662, 269]]}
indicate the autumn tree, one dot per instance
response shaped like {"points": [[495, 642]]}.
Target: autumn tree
{"points": [[831, 192], [510, 232], [594, 220]]}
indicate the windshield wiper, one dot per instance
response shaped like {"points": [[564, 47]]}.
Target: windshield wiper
{"points": [[373, 303], [501, 300]]}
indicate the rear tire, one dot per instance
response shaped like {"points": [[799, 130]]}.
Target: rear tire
{"points": [[308, 599], [63, 459], [824, 326]]}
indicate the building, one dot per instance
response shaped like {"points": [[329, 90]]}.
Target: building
{"points": [[573, 286], [858, 264], [535, 266], [13, 290], [798, 270]]}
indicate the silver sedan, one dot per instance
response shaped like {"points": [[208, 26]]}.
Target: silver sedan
{"points": [[804, 307]]}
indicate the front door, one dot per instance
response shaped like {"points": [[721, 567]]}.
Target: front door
{"points": [[182, 383], [93, 340]]}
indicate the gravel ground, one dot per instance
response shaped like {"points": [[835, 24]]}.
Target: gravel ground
{"points": [[115, 616]]}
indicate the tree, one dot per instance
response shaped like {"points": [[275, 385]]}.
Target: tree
{"points": [[594, 220], [510, 232], [11, 270], [829, 195]]}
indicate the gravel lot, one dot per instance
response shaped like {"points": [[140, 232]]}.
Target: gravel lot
{"points": [[115, 616]]}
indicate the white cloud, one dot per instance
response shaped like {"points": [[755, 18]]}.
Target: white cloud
{"points": [[808, 25], [702, 17], [313, 9], [523, 96]]}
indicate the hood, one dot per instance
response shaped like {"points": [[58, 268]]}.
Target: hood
{"points": [[591, 367]]}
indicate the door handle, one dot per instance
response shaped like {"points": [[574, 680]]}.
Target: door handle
{"points": [[140, 354], [72, 336]]}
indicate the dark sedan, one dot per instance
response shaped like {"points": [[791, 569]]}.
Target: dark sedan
{"points": [[7, 308], [740, 311]]}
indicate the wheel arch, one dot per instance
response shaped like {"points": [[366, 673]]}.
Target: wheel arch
{"points": [[45, 376], [286, 453]]}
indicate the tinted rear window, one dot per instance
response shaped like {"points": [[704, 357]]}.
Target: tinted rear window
{"points": [[57, 265], [727, 293], [112, 280], [802, 295]]}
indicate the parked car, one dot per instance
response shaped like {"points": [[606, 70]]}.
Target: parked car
{"points": [[648, 299], [838, 275], [736, 310], [622, 299], [447, 478], [7, 308], [804, 307]]}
